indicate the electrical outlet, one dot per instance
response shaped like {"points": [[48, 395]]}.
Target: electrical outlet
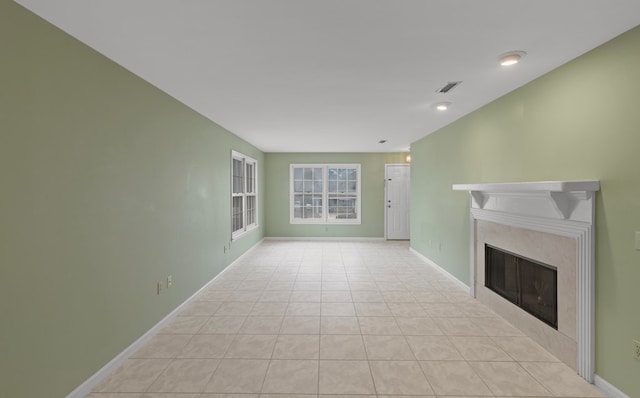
{"points": [[159, 287], [169, 281], [636, 349], [225, 248], [637, 240]]}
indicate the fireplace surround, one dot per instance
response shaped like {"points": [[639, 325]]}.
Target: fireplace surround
{"points": [[549, 222]]}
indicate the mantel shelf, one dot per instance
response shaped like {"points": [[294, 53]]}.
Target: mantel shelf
{"points": [[569, 200], [536, 186]]}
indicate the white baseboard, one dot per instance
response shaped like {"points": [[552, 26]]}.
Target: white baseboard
{"points": [[609, 389], [442, 270], [88, 385], [321, 238]]}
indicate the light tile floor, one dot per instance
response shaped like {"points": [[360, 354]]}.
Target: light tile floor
{"points": [[296, 319]]}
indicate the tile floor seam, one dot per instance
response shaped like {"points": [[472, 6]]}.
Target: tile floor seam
{"points": [[264, 378], [426, 378], [319, 345], [493, 338], [551, 393], [373, 380], [156, 378]]}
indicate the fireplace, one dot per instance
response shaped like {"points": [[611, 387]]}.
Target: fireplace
{"points": [[549, 224], [529, 284]]}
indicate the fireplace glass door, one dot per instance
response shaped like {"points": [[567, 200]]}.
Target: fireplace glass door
{"points": [[531, 285]]}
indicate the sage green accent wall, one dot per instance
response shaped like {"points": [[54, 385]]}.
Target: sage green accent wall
{"points": [[107, 186], [372, 190], [581, 121]]}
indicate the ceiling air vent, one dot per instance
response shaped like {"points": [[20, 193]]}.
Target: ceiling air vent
{"points": [[448, 87]]}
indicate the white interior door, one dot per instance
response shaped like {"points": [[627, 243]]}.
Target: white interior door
{"points": [[397, 185]]}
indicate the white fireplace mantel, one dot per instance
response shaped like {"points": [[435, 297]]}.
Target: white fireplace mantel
{"points": [[569, 200], [565, 208]]}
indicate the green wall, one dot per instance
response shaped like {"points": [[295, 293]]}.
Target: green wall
{"points": [[372, 190], [580, 121], [107, 185]]}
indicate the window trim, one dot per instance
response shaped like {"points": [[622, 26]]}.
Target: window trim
{"points": [[325, 194], [235, 155]]}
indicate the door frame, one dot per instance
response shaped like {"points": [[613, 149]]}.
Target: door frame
{"points": [[386, 165]]}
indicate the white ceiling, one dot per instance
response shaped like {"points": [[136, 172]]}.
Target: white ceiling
{"points": [[337, 75]]}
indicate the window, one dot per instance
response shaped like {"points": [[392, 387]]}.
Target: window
{"points": [[325, 194], [244, 195]]}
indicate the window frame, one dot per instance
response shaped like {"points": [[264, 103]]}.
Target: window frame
{"points": [[246, 193], [325, 220]]}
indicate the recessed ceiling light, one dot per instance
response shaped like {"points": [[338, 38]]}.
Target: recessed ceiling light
{"points": [[443, 106], [511, 58], [382, 141]]}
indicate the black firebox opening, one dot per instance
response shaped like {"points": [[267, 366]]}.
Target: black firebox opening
{"points": [[529, 284]]}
